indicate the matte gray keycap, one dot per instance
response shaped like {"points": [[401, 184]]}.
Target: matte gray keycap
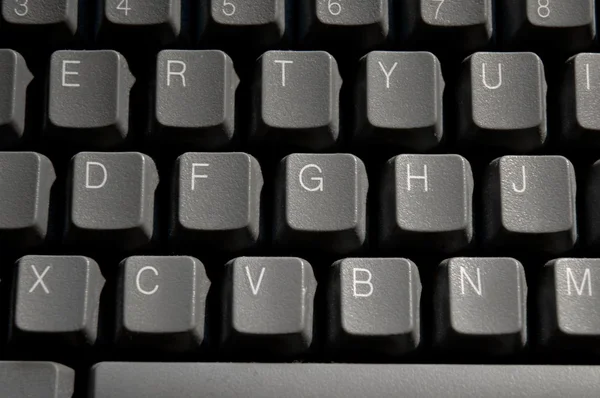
{"points": [[568, 304], [296, 99], [462, 26], [36, 380], [267, 306], [216, 201], [502, 101], [88, 98], [161, 303], [111, 200], [592, 209], [529, 203], [480, 306], [259, 24], [374, 306], [426, 203], [302, 380], [399, 98], [56, 302], [329, 24], [139, 23], [579, 99], [14, 80], [321, 202], [26, 179], [195, 98], [548, 26]]}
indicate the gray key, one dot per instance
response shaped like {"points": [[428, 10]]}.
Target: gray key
{"points": [[267, 306], [460, 26], [321, 202], [161, 303], [36, 380], [480, 306], [399, 97], [195, 98], [530, 203], [296, 99], [14, 80], [88, 98], [26, 179], [331, 24], [327, 380], [111, 200], [56, 302], [216, 200], [568, 303], [374, 306], [579, 99], [426, 203], [502, 101]]}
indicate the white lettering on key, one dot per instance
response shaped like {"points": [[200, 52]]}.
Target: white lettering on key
{"points": [[587, 279], [477, 287], [40, 279], [587, 75], [387, 74], [485, 83], [410, 177], [88, 183], [283, 63], [367, 282], [319, 180], [66, 72], [180, 72], [524, 185], [139, 284], [254, 288], [194, 175]]}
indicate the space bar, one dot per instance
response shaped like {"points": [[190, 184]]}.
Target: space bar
{"points": [[194, 380]]}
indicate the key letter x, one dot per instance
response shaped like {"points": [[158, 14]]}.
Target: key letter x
{"points": [[40, 279]]}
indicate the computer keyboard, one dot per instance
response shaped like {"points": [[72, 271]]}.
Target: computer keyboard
{"points": [[299, 198]]}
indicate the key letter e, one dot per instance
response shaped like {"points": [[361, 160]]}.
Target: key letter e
{"points": [[98, 166]]}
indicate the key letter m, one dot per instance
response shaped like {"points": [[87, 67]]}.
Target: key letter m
{"points": [[579, 288]]}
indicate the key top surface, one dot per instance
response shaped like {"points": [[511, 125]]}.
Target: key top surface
{"points": [[14, 80], [229, 380], [36, 380]]}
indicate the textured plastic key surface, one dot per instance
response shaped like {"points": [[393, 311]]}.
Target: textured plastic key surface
{"points": [[35, 380], [192, 380]]}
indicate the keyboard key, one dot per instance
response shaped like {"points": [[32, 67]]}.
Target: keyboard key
{"points": [[579, 96], [480, 306], [36, 380], [426, 203], [458, 26], [216, 201], [592, 212], [399, 98], [239, 25], [13, 86], [26, 179], [301, 380], [530, 204], [329, 24], [568, 306], [111, 200], [56, 302], [502, 101], [138, 23], [195, 98], [548, 26], [374, 306], [296, 100], [161, 304], [40, 23], [88, 100], [267, 306], [320, 203]]}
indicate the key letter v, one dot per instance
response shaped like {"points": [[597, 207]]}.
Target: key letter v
{"points": [[256, 288]]}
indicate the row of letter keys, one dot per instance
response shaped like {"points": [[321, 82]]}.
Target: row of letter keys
{"points": [[296, 101], [425, 202]]}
